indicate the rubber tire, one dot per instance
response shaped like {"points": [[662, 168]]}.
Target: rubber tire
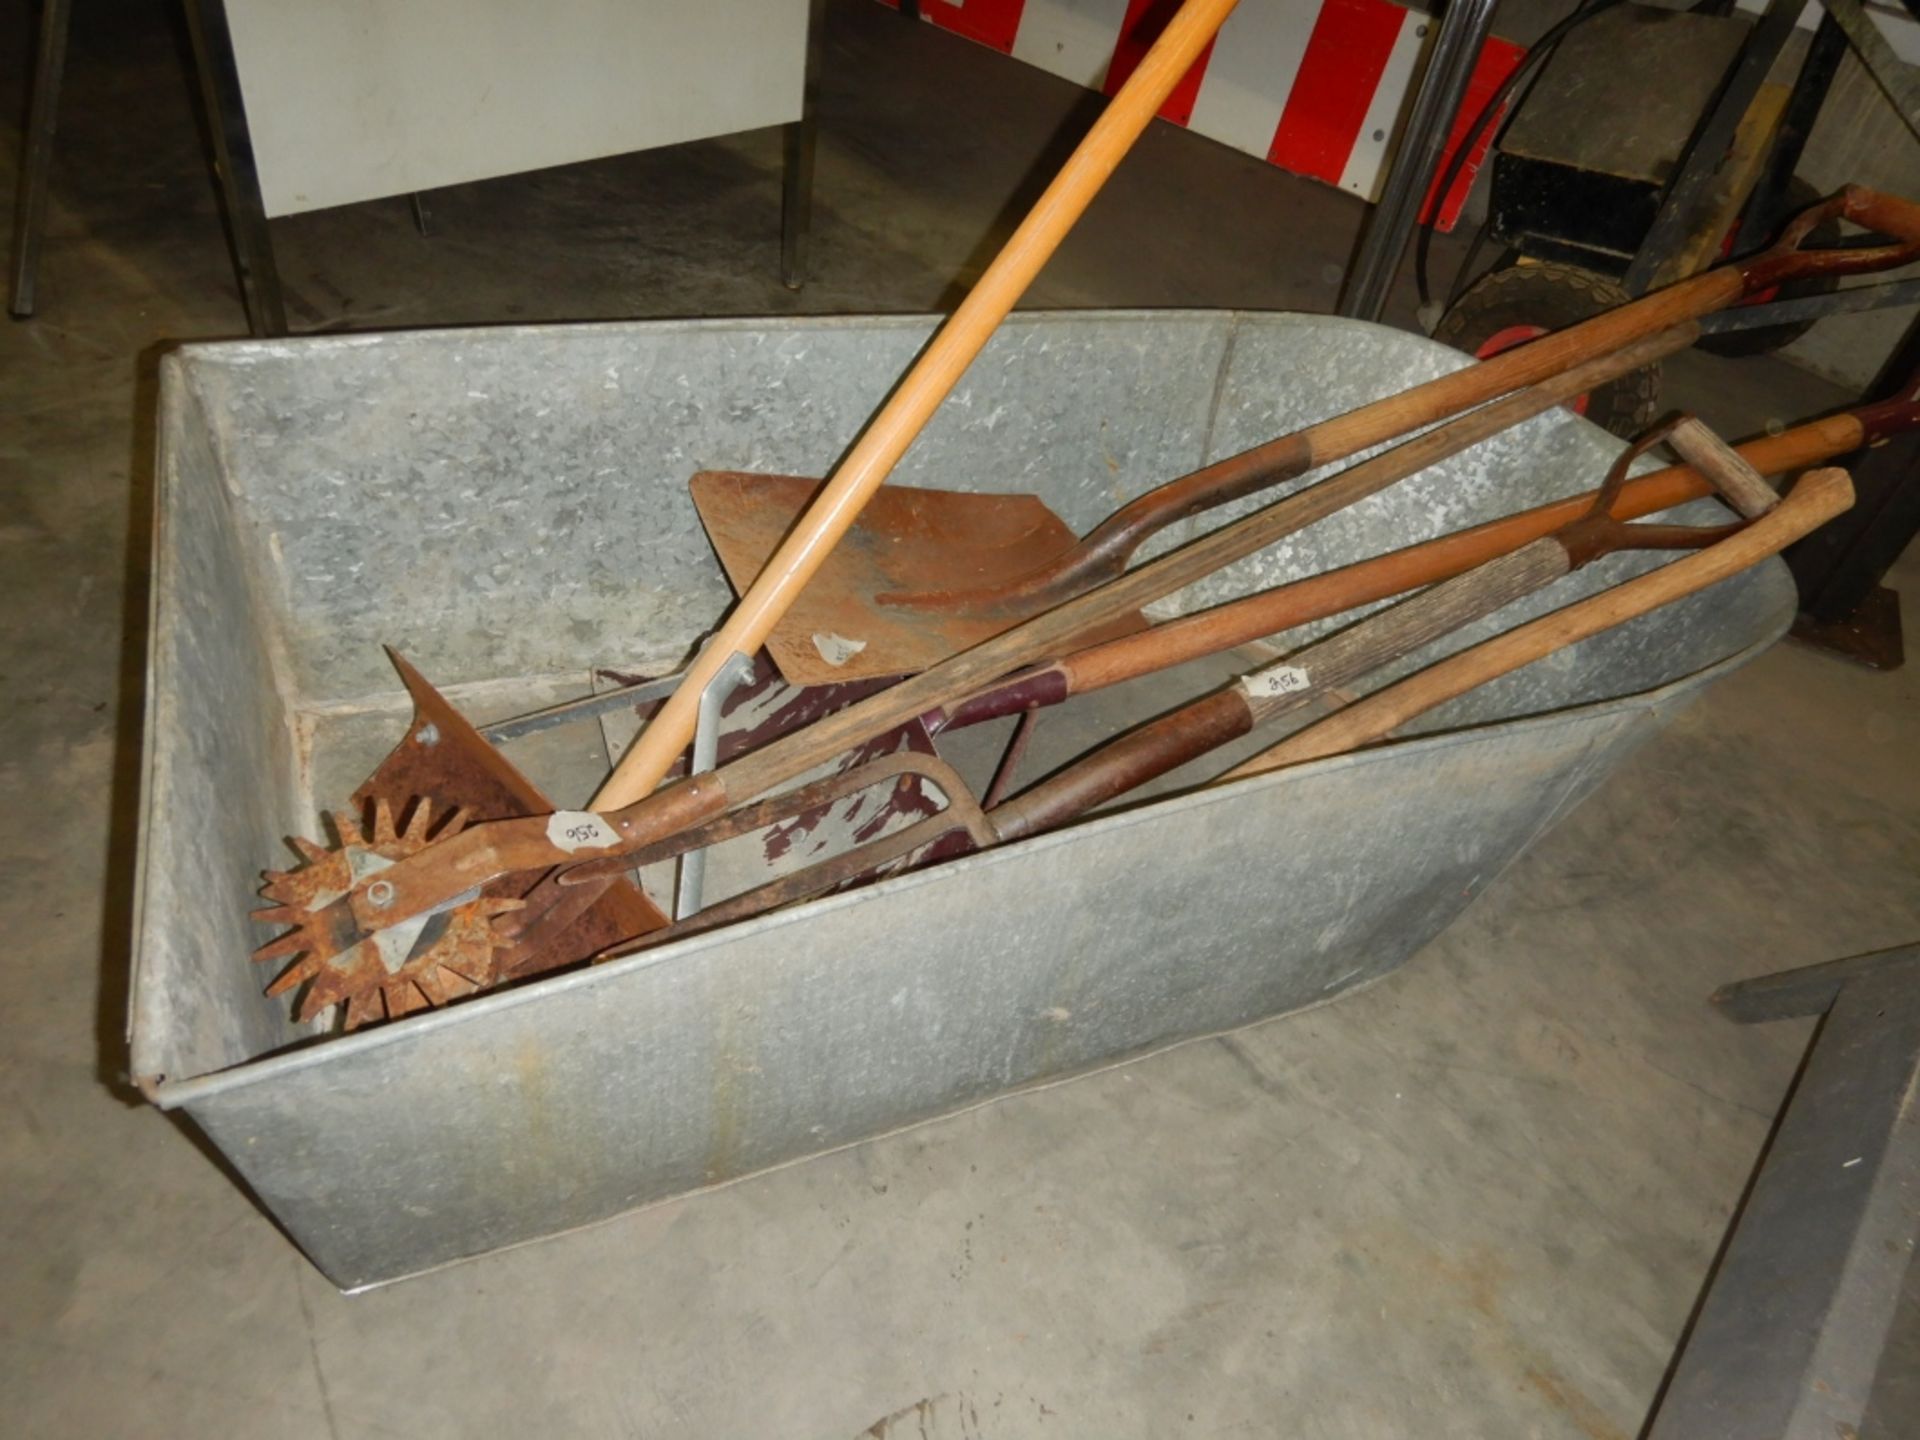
{"points": [[1554, 296], [1774, 337]]}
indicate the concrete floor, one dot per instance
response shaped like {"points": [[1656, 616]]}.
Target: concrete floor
{"points": [[1476, 1200]]}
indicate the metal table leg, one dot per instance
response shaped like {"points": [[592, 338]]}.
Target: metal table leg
{"points": [[1789, 1339], [36, 153], [1463, 30], [798, 139], [239, 177]]}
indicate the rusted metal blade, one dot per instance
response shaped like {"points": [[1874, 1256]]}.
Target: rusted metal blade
{"points": [[446, 763], [906, 541]]}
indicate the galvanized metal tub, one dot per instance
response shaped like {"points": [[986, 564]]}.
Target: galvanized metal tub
{"points": [[510, 507]]}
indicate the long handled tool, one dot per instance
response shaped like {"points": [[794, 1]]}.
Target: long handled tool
{"points": [[1817, 498], [1313, 675], [927, 573], [335, 941], [1326, 667], [938, 369]]}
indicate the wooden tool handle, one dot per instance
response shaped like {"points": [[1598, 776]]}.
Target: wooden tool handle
{"points": [[1820, 495], [484, 852], [1052, 631], [939, 368], [1161, 745], [1738, 482], [1106, 549], [1401, 629], [1125, 763], [1380, 577]]}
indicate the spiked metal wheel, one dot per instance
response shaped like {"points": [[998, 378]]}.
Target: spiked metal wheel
{"points": [[419, 963]]}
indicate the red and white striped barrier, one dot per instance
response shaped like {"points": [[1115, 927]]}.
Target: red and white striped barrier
{"points": [[1315, 86]]}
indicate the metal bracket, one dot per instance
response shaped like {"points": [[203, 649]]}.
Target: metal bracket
{"points": [[737, 670]]}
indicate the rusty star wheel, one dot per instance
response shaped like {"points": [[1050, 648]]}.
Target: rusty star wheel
{"points": [[417, 964]]}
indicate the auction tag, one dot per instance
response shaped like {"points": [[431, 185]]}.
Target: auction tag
{"points": [[836, 650], [580, 830], [1277, 680]]}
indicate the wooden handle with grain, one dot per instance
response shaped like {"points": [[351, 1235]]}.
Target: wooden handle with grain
{"points": [[1820, 495], [1106, 550], [1739, 482], [933, 376], [1302, 679]]}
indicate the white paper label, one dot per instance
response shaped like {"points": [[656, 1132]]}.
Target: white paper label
{"points": [[1277, 680], [579, 830], [836, 650]]}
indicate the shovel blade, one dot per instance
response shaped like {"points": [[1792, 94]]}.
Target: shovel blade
{"points": [[906, 541]]}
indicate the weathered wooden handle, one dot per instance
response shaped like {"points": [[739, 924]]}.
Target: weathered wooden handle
{"points": [[1380, 577], [1052, 631], [933, 376], [1401, 629], [1147, 751], [1820, 495], [1106, 549], [1732, 475]]}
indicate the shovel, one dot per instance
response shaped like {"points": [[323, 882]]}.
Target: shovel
{"points": [[924, 574]]}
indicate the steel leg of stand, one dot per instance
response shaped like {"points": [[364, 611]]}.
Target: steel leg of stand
{"points": [[799, 139], [1798, 1336], [1463, 30], [239, 177], [36, 154]]}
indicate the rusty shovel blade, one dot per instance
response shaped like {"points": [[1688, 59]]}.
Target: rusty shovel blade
{"points": [[907, 541]]}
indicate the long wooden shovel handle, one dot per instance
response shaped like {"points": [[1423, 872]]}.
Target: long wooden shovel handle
{"points": [[1820, 495], [1107, 548], [938, 369], [1381, 577]]}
